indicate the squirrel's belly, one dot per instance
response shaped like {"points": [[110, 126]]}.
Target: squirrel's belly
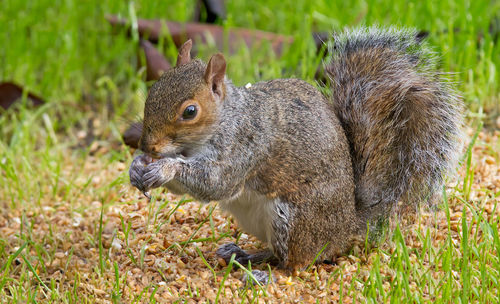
{"points": [[254, 213], [175, 187]]}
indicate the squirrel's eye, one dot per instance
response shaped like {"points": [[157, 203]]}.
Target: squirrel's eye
{"points": [[189, 112]]}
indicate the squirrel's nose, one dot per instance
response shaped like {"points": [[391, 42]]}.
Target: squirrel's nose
{"points": [[155, 149], [150, 149]]}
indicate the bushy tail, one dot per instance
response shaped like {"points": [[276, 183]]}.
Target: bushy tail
{"points": [[403, 124]]}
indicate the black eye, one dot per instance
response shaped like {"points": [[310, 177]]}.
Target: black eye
{"points": [[189, 112]]}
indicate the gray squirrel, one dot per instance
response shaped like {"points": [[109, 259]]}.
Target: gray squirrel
{"points": [[304, 172]]}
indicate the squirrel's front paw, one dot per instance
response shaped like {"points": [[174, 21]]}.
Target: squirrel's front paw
{"points": [[159, 173], [137, 170]]}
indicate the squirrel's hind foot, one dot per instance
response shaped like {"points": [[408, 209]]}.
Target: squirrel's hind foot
{"points": [[259, 276], [241, 256]]}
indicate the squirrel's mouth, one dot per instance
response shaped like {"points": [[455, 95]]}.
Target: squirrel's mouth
{"points": [[183, 154]]}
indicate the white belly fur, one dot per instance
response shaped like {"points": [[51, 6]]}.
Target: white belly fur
{"points": [[254, 213]]}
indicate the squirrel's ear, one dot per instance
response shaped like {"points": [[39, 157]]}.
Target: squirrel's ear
{"points": [[214, 75], [184, 53]]}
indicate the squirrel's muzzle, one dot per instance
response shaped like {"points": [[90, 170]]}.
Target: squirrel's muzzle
{"points": [[161, 149]]}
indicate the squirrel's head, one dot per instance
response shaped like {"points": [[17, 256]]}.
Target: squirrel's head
{"points": [[183, 105]]}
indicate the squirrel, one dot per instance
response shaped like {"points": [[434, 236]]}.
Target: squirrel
{"points": [[307, 173]]}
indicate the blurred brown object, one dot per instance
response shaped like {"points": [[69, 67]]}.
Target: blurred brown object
{"points": [[199, 32], [214, 9], [156, 63], [133, 134], [320, 40], [11, 92]]}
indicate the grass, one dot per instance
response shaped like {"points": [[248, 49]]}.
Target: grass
{"points": [[64, 189]]}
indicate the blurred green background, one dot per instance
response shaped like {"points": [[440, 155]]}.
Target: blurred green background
{"points": [[67, 52]]}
